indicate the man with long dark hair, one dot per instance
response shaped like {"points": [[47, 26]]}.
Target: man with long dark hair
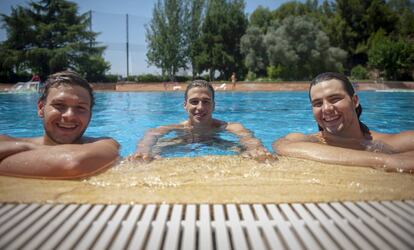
{"points": [[342, 137]]}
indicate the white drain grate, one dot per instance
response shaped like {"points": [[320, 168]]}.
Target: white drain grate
{"points": [[338, 225]]}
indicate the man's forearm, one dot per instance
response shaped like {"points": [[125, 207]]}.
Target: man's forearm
{"points": [[146, 144], [8, 148], [150, 139], [332, 154], [61, 162], [250, 143]]}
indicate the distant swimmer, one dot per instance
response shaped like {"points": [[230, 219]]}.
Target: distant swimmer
{"points": [[343, 138], [62, 152], [200, 127]]}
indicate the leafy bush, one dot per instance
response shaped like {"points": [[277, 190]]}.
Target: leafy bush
{"points": [[132, 78], [11, 77], [251, 76], [151, 78], [395, 58], [359, 72], [112, 78], [274, 72], [183, 78]]}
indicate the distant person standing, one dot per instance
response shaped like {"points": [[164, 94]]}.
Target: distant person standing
{"points": [[35, 78], [233, 80]]}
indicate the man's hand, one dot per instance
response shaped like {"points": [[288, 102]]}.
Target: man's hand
{"points": [[403, 163], [142, 157], [258, 154]]}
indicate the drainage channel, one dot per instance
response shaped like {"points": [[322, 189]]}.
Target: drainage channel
{"points": [[336, 225]]}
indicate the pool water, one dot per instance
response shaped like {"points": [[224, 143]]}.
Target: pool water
{"points": [[126, 116]]}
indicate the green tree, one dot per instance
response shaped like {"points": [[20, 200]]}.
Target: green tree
{"points": [[193, 19], [293, 8], [261, 17], [50, 36], [254, 49], [394, 58], [165, 37], [405, 14], [224, 25], [359, 72], [300, 49], [354, 23]]}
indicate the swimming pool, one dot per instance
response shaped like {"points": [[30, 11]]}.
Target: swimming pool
{"points": [[126, 116]]}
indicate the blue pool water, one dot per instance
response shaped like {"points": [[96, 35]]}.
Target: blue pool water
{"points": [[126, 116]]}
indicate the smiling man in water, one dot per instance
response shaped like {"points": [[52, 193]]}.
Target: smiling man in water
{"points": [[201, 127], [62, 152], [343, 138]]}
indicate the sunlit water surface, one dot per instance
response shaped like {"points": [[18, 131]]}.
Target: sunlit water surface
{"points": [[126, 116], [211, 179]]}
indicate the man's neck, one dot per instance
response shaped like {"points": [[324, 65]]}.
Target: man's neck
{"points": [[350, 139], [48, 141], [201, 126]]}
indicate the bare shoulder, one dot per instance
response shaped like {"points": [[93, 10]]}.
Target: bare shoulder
{"points": [[400, 142], [172, 126], [237, 129], [232, 125], [280, 144], [296, 137], [36, 140], [7, 138], [292, 138], [101, 140], [167, 128]]}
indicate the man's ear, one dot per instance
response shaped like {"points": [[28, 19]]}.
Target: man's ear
{"points": [[41, 109], [185, 105], [355, 100]]}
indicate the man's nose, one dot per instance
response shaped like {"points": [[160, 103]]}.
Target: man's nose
{"points": [[327, 106], [69, 113], [200, 105]]}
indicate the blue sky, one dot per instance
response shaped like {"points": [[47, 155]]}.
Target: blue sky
{"points": [[108, 18]]}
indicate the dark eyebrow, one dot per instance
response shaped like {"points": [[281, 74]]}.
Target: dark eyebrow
{"points": [[316, 99], [330, 96], [59, 101], [336, 95], [196, 98]]}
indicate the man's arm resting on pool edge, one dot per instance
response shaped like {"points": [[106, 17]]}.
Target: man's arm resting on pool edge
{"points": [[144, 146], [301, 146], [68, 161], [10, 146], [254, 148]]}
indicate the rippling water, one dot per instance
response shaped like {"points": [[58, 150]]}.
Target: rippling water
{"points": [[126, 116]]}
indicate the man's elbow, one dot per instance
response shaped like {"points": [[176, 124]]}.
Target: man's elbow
{"points": [[80, 167], [280, 147], [71, 169]]}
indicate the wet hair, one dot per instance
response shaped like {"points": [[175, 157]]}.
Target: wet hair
{"points": [[200, 84], [349, 88], [68, 78]]}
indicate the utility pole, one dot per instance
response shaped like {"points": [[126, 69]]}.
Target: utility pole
{"points": [[127, 46]]}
